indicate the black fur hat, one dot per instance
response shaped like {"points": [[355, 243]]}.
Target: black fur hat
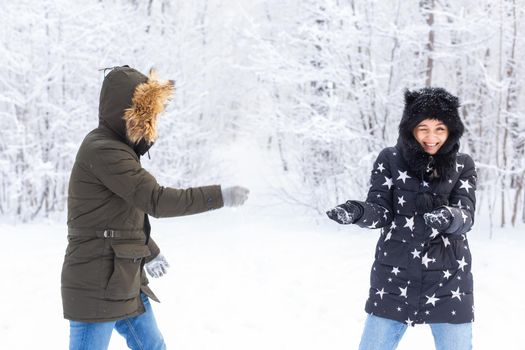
{"points": [[430, 103]]}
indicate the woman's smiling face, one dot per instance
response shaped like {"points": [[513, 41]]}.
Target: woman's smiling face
{"points": [[431, 135]]}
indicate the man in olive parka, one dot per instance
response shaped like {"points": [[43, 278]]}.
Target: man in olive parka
{"points": [[109, 199]]}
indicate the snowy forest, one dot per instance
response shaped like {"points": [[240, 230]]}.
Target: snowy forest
{"points": [[317, 84]]}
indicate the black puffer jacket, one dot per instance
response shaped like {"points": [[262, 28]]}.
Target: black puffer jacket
{"points": [[421, 275]]}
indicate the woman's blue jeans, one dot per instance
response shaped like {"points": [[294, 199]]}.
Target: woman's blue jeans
{"points": [[141, 332], [384, 334]]}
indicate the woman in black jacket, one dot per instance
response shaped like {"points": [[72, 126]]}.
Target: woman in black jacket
{"points": [[422, 196]]}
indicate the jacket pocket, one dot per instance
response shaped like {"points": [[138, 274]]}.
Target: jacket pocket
{"points": [[393, 253], [124, 282], [447, 253]]}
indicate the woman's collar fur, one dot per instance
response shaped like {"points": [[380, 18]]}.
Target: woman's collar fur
{"points": [[418, 160]]}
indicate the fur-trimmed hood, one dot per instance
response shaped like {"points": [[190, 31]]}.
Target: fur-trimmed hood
{"points": [[130, 103], [430, 103]]}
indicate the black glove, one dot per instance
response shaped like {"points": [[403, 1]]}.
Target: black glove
{"points": [[439, 218], [346, 213]]}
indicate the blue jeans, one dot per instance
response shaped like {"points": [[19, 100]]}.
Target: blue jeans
{"points": [[141, 332], [384, 334]]}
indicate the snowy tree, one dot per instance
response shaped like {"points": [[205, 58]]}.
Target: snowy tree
{"points": [[318, 84]]}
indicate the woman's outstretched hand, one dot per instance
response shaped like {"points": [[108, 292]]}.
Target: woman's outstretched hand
{"points": [[234, 196], [346, 213]]}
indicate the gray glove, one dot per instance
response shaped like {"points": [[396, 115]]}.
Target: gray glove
{"points": [[157, 267], [234, 196]]}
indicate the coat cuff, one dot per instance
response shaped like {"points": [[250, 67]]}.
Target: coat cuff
{"points": [[455, 224], [154, 249], [213, 196]]}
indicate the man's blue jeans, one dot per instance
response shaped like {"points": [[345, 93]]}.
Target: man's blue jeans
{"points": [[384, 334], [141, 332]]}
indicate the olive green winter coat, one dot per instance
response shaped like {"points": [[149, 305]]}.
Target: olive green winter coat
{"points": [[109, 198]]}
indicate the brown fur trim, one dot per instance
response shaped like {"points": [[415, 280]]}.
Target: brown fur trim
{"points": [[148, 102]]}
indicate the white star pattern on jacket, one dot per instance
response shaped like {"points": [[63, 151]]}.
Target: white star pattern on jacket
{"points": [[381, 293], [403, 176], [456, 294], [415, 254], [410, 223], [458, 204], [462, 264], [434, 233], [427, 260], [432, 300], [388, 182], [465, 185], [401, 201], [380, 167]]}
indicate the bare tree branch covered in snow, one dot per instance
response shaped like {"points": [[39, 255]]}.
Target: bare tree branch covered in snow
{"points": [[338, 69], [318, 84], [50, 81]]}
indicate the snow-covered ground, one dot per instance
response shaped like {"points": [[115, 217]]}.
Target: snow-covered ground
{"points": [[249, 279], [262, 276]]}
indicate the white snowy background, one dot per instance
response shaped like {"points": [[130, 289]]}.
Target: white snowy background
{"points": [[293, 99]]}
